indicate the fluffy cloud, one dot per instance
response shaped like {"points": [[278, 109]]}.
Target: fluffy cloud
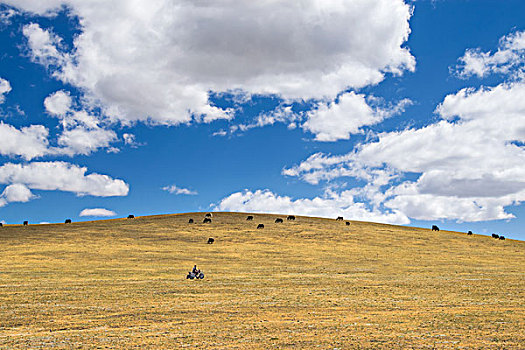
{"points": [[61, 176], [58, 103], [158, 60], [338, 120], [17, 193], [330, 205], [509, 58], [173, 189], [27, 142], [469, 165], [100, 212], [5, 87]]}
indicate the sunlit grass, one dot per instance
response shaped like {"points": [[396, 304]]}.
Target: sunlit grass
{"points": [[312, 283]]}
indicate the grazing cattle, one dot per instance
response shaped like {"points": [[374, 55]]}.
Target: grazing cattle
{"points": [[26, 223], [130, 216], [339, 218], [190, 221], [260, 226], [249, 218], [206, 221], [435, 228], [1, 224], [290, 217], [348, 223], [469, 233], [495, 236], [502, 238], [207, 215], [68, 221], [210, 240], [278, 221]]}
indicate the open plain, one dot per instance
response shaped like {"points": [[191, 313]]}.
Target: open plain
{"points": [[306, 284]]}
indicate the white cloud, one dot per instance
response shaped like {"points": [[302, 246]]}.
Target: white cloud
{"points": [[469, 166], [100, 212], [158, 60], [58, 103], [27, 142], [62, 176], [81, 140], [173, 189], [338, 120], [509, 58], [331, 205], [17, 193], [5, 87]]}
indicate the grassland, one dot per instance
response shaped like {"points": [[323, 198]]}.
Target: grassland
{"points": [[309, 284]]}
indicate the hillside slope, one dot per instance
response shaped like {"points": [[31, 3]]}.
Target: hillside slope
{"points": [[309, 283]]}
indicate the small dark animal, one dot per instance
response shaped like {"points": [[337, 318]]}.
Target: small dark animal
{"points": [[469, 233], [207, 215], [495, 236], [502, 238], [68, 221], [130, 216], [435, 228], [26, 223], [206, 221], [1, 224], [290, 217], [260, 226], [190, 221], [339, 218], [249, 218], [210, 240], [347, 223], [278, 221]]}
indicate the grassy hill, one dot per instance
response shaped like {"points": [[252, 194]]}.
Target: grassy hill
{"points": [[310, 283]]}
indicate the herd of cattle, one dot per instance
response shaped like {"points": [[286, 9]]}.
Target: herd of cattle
{"points": [[208, 216]]}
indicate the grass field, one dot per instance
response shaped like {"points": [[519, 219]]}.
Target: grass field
{"points": [[309, 284]]}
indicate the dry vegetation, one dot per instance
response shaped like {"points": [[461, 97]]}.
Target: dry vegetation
{"points": [[313, 283]]}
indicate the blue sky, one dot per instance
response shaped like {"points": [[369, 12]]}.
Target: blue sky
{"points": [[402, 112]]}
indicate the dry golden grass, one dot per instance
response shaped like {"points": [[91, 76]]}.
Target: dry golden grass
{"points": [[309, 284]]}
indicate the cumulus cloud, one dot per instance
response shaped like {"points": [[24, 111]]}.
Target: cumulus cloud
{"points": [[508, 59], [173, 189], [339, 119], [17, 193], [62, 176], [28, 142], [158, 60], [330, 205], [5, 87], [58, 103], [100, 212], [469, 166]]}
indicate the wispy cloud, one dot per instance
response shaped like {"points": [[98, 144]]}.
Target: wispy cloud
{"points": [[173, 189]]}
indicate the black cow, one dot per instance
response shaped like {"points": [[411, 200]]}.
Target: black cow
{"points": [[68, 221], [190, 221], [207, 215], [206, 221], [469, 233], [249, 218], [435, 228], [348, 223], [502, 238], [260, 226], [339, 218], [495, 236], [26, 223], [131, 216], [210, 240], [278, 221], [290, 217], [1, 224]]}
